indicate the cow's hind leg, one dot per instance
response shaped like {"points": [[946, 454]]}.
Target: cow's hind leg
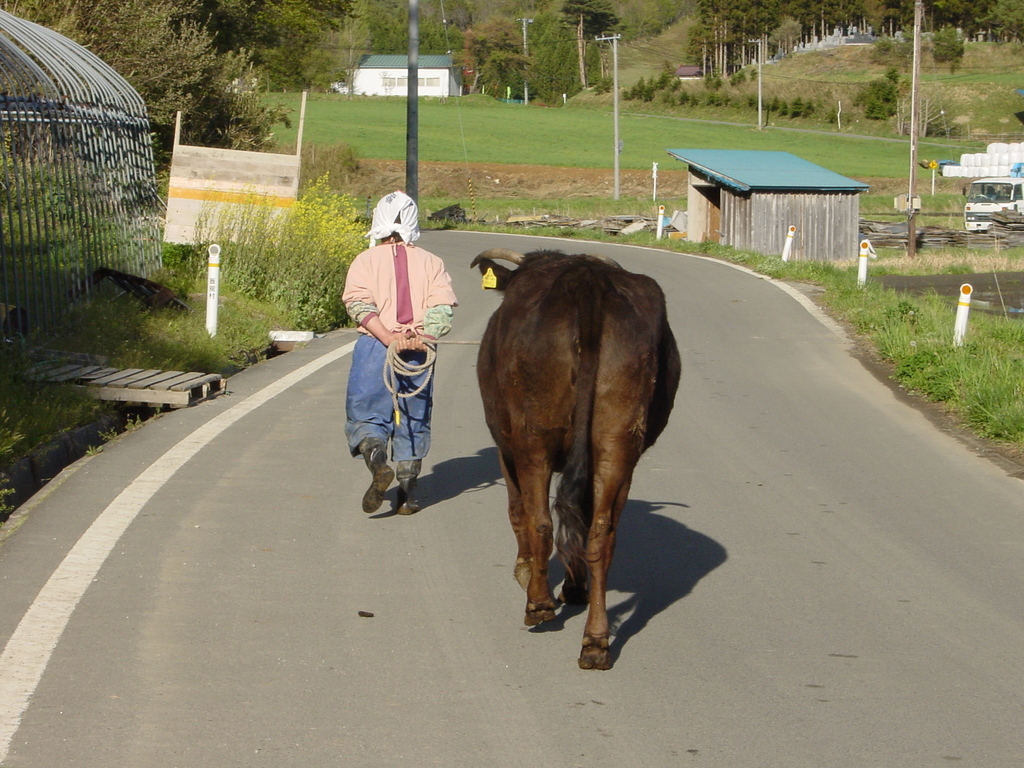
{"points": [[517, 517], [534, 482], [611, 490], [531, 570]]}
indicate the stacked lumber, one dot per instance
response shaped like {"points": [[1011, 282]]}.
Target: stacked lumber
{"points": [[883, 234], [1008, 226]]}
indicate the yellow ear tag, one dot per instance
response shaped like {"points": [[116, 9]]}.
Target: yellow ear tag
{"points": [[490, 279]]}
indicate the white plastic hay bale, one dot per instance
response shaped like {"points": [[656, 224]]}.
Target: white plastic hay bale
{"points": [[950, 171], [967, 160], [997, 147]]}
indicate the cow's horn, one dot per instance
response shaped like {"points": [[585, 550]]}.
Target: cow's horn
{"points": [[502, 253]]}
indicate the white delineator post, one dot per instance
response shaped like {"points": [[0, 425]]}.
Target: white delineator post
{"points": [[213, 290], [963, 309], [862, 262], [661, 220], [788, 247]]}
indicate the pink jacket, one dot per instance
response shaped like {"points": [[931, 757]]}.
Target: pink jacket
{"points": [[371, 280]]}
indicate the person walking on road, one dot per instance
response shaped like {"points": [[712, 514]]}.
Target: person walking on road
{"points": [[401, 297]]}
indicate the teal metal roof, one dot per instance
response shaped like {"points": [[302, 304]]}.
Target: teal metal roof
{"points": [[396, 61], [748, 170]]}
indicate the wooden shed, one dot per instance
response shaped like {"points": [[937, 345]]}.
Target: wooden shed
{"points": [[749, 199]]}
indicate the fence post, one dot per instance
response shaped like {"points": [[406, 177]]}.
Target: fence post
{"points": [[213, 290], [963, 309], [789, 243]]}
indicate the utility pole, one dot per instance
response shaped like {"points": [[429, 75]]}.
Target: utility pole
{"points": [[615, 102], [760, 61], [526, 54], [412, 113], [915, 75]]}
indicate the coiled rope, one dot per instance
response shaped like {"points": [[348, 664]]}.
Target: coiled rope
{"points": [[395, 366]]}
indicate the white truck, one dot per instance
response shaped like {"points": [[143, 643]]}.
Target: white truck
{"points": [[986, 196]]}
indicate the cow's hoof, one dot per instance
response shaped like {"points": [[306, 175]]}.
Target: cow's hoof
{"points": [[522, 573], [539, 612], [573, 595], [595, 654]]}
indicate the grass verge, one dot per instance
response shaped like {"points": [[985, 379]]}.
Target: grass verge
{"points": [[119, 331]]}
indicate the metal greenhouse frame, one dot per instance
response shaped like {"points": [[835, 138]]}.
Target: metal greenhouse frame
{"points": [[77, 182]]}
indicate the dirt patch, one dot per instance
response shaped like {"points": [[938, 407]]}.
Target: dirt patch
{"points": [[493, 180]]}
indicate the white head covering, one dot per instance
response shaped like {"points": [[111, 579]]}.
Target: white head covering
{"points": [[396, 212]]}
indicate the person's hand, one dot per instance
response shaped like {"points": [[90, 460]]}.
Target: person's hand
{"points": [[409, 340]]}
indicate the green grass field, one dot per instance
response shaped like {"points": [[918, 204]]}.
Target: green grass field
{"points": [[478, 129], [977, 100]]}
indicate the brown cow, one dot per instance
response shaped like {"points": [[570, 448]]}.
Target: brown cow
{"points": [[578, 371]]}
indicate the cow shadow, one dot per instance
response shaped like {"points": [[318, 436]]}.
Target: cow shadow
{"points": [[448, 479], [657, 562]]}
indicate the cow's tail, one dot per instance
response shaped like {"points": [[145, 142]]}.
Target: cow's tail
{"points": [[574, 501]]}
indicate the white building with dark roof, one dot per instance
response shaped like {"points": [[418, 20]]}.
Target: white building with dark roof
{"points": [[388, 75]]}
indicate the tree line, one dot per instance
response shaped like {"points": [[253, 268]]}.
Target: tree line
{"points": [[212, 59], [723, 39]]}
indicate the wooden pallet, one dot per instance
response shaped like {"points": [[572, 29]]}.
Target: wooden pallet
{"points": [[133, 385]]}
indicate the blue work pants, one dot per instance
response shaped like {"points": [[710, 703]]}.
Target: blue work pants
{"points": [[369, 408]]}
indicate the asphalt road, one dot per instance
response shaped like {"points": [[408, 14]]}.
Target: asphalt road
{"points": [[809, 573]]}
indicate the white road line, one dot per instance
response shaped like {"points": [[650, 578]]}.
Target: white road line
{"points": [[30, 647]]}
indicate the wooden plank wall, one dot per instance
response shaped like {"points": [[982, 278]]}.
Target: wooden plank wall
{"points": [[827, 223], [202, 177]]}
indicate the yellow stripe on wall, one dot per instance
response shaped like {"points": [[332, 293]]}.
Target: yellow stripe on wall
{"points": [[217, 196]]}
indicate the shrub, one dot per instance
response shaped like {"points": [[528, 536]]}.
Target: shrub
{"points": [[337, 163], [892, 52], [880, 97], [297, 259], [948, 48]]}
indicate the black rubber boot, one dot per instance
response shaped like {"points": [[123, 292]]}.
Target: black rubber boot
{"points": [[375, 453], [408, 471]]}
